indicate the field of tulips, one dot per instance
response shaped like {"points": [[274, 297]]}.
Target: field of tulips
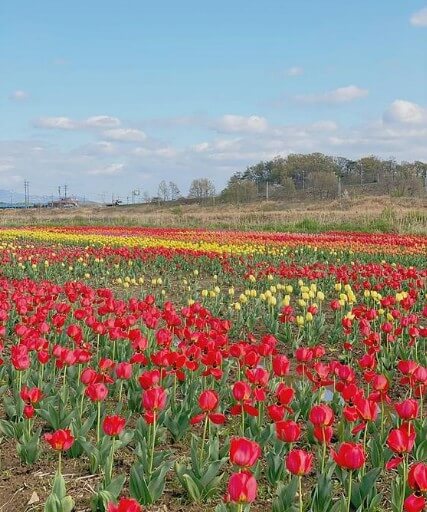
{"points": [[170, 370]]}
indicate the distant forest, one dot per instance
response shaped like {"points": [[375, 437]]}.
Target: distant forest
{"points": [[299, 176], [322, 176]]}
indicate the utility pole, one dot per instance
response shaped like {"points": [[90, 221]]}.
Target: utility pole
{"points": [[266, 191], [339, 186], [65, 191], [26, 193], [59, 191], [135, 193]]}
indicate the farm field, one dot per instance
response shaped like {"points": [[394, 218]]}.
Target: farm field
{"points": [[363, 213], [171, 369]]}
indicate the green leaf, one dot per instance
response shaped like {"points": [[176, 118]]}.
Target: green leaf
{"points": [[116, 485], [212, 471], [339, 506], [421, 450], [67, 504], [7, 428], [138, 486], [59, 489], [53, 504], [192, 488]]}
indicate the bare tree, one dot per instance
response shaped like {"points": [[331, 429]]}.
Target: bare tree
{"points": [[163, 191], [174, 191], [202, 188]]}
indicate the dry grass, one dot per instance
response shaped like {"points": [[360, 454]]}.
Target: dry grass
{"points": [[377, 213]]}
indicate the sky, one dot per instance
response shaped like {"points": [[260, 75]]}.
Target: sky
{"points": [[113, 96]]}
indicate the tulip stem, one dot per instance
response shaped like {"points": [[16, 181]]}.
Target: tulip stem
{"points": [[243, 422], [202, 446], [365, 433], [110, 475], [98, 426], [97, 346], [153, 444], [350, 481], [405, 477], [59, 462], [120, 391], [300, 493], [323, 453]]}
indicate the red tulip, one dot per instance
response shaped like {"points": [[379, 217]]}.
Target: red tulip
{"points": [[280, 365], [242, 488], [125, 505], [241, 391], [88, 376], [20, 357], [417, 477], [29, 411], [414, 503], [276, 412], [367, 409], [149, 379], [321, 415], [288, 431], [401, 440], [124, 370], [154, 399], [208, 400], [31, 395], [350, 456], [299, 462], [113, 425], [408, 409], [60, 440], [244, 452], [284, 394], [323, 434], [97, 391]]}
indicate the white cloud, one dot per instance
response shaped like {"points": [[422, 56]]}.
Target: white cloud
{"points": [[102, 122], [164, 152], [56, 123], [108, 164], [66, 123], [336, 96], [402, 111], [419, 18], [295, 71], [5, 167], [240, 124], [125, 135], [99, 148], [326, 126], [19, 95], [107, 170]]}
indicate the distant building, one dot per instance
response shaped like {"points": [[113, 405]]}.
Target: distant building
{"points": [[64, 202]]}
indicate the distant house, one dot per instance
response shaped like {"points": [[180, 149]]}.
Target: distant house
{"points": [[64, 202]]}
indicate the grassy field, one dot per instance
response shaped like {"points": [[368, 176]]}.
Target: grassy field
{"points": [[370, 214]]}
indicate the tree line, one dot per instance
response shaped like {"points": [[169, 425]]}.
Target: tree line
{"points": [[316, 174]]}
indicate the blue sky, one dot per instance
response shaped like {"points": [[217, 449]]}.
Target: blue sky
{"points": [[107, 96]]}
